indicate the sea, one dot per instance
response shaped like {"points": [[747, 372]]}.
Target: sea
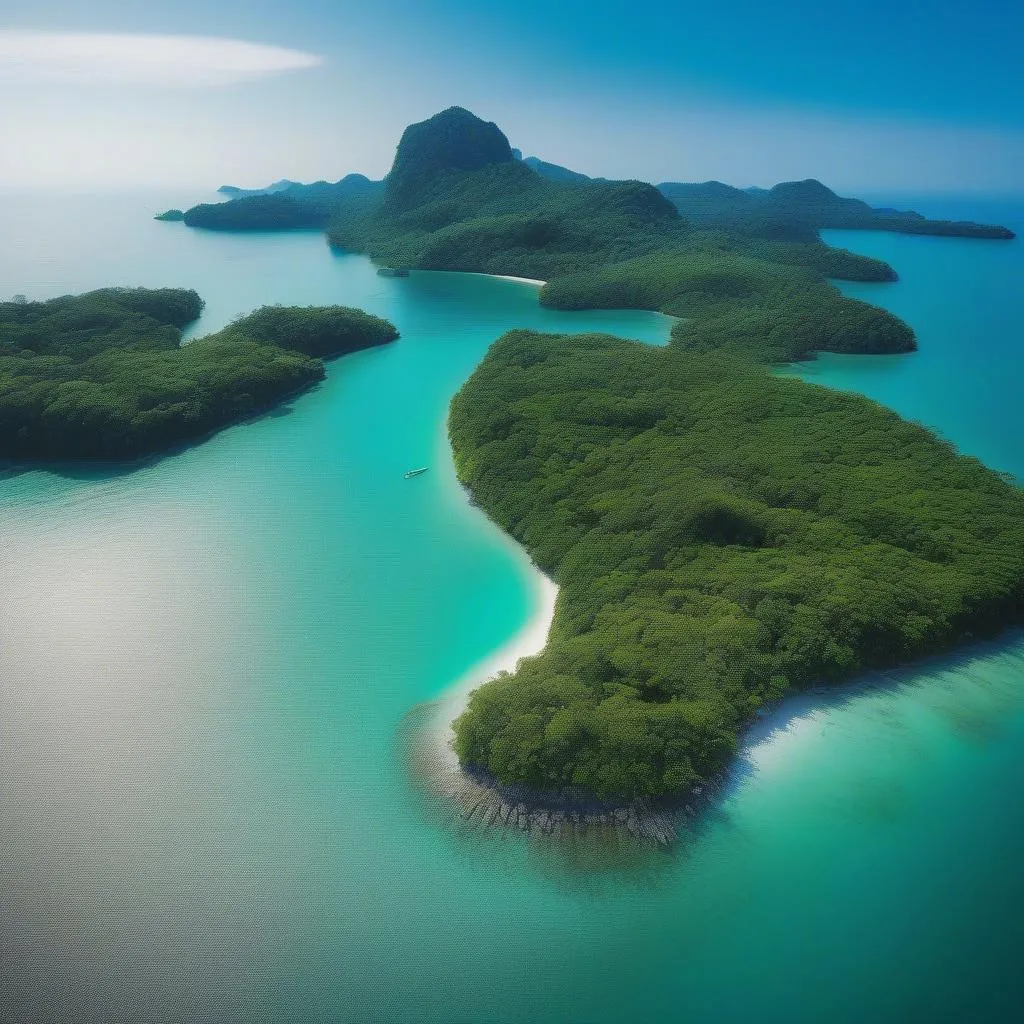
{"points": [[211, 665]]}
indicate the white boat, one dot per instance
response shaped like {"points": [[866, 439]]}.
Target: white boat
{"points": [[416, 472]]}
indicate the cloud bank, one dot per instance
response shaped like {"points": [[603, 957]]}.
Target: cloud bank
{"points": [[157, 60]]}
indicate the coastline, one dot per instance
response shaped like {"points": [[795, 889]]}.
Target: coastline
{"points": [[530, 640], [481, 801], [532, 637], [509, 277]]}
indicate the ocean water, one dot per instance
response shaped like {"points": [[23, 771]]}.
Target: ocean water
{"points": [[209, 667]]}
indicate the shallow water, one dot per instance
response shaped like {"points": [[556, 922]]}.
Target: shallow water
{"points": [[209, 664]]}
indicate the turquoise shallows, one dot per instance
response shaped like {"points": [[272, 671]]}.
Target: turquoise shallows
{"points": [[209, 667]]}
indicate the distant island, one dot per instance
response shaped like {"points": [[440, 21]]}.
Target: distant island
{"points": [[104, 375], [234, 192], [802, 208], [296, 206], [170, 215], [721, 536]]}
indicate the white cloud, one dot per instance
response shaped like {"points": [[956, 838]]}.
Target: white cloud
{"points": [[174, 61]]}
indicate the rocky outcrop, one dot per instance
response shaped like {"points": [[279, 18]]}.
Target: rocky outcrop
{"points": [[453, 140], [479, 801]]}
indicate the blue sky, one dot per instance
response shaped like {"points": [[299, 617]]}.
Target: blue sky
{"points": [[876, 97]]}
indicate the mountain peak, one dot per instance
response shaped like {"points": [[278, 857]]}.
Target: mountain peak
{"points": [[808, 190], [453, 140]]}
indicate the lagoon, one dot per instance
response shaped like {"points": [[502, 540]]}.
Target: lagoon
{"points": [[211, 666]]}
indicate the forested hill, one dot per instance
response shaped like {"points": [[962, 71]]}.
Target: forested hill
{"points": [[446, 145], [798, 209], [104, 375], [610, 244]]}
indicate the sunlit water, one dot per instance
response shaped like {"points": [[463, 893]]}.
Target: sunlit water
{"points": [[208, 664]]}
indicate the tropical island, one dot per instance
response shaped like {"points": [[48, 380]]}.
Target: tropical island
{"points": [[104, 375], [721, 536]]}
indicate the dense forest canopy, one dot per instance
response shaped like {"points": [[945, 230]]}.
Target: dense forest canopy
{"points": [[104, 375], [721, 536]]}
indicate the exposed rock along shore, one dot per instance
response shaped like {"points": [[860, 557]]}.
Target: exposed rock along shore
{"points": [[482, 802]]}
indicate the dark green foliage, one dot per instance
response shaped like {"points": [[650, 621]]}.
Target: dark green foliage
{"points": [[296, 206], [452, 141], [820, 259], [765, 310], [170, 215], [104, 375], [320, 331], [720, 536]]}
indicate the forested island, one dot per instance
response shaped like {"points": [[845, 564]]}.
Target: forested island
{"points": [[294, 206], [721, 536], [749, 266], [104, 375]]}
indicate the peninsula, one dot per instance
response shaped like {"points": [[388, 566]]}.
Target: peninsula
{"points": [[104, 375], [720, 536]]}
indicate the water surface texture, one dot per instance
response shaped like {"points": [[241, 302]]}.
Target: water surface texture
{"points": [[208, 665]]}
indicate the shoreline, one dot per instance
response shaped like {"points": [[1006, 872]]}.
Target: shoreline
{"points": [[531, 639], [509, 277], [480, 800]]}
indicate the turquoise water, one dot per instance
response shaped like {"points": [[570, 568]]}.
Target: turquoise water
{"points": [[208, 667]]}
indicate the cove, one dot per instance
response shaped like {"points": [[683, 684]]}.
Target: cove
{"points": [[208, 664]]}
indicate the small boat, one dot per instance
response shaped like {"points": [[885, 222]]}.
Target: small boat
{"points": [[392, 272], [416, 472]]}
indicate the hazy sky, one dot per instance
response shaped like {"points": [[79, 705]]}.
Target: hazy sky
{"points": [[875, 96]]}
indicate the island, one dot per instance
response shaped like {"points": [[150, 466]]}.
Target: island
{"points": [[170, 215], [798, 209], [234, 192], [295, 206], [721, 536], [105, 376]]}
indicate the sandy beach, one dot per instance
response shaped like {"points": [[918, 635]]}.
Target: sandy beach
{"points": [[528, 641], [522, 280]]}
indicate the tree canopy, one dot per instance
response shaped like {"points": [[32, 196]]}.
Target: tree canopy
{"points": [[721, 536], [104, 375]]}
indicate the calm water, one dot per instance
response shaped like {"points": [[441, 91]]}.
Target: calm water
{"points": [[207, 667]]}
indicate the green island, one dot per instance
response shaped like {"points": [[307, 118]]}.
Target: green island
{"points": [[104, 375], [721, 536]]}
